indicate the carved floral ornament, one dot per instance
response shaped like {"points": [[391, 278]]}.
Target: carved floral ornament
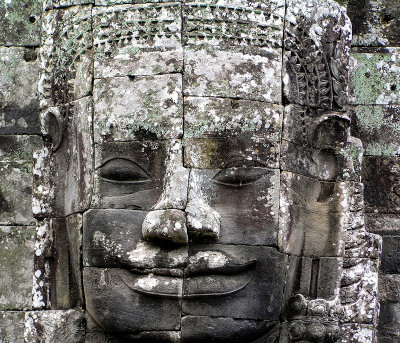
{"points": [[206, 147]]}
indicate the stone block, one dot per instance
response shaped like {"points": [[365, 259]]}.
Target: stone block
{"points": [[374, 77], [144, 336], [375, 22], [63, 183], [113, 239], [66, 57], [52, 4], [323, 164], [382, 184], [54, 326], [19, 75], [141, 186], [383, 224], [74, 224], [389, 319], [16, 162], [317, 128], [248, 213], [196, 329], [142, 107], [128, 310], [218, 131], [233, 23], [378, 128], [314, 72], [311, 216], [391, 255], [255, 293], [389, 288], [12, 326], [358, 291], [16, 267], [140, 39], [357, 333], [238, 72], [20, 22]]}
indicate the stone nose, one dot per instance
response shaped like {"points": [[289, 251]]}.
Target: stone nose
{"points": [[167, 220], [182, 211]]}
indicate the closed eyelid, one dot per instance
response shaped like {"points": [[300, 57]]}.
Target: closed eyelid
{"points": [[123, 170], [239, 176]]}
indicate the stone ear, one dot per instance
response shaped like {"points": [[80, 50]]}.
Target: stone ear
{"points": [[53, 126]]}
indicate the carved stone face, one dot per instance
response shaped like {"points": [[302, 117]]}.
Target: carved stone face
{"points": [[208, 193]]}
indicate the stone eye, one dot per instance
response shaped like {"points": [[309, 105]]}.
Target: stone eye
{"points": [[239, 176], [122, 170]]}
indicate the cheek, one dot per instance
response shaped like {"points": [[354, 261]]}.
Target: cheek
{"points": [[249, 214]]}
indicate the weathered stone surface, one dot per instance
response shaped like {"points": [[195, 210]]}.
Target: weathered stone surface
{"points": [[389, 320], [74, 224], [253, 294], [16, 267], [311, 216], [375, 22], [137, 39], [359, 291], [144, 336], [129, 174], [12, 326], [389, 288], [16, 159], [210, 329], [20, 22], [315, 163], [390, 255], [245, 199], [19, 109], [69, 131], [51, 4], [357, 333], [237, 72], [378, 128], [219, 131], [382, 184], [130, 108], [219, 117], [66, 59], [310, 329], [230, 23], [315, 72], [129, 310], [375, 77], [110, 243], [54, 326], [382, 224]]}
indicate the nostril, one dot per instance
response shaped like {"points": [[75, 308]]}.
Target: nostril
{"points": [[165, 226]]}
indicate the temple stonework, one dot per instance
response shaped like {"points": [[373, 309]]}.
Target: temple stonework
{"points": [[200, 171]]}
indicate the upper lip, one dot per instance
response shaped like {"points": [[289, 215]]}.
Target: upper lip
{"points": [[207, 273]]}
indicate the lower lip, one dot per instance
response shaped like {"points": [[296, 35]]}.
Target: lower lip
{"points": [[177, 288]]}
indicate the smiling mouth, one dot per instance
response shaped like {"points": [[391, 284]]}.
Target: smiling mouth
{"points": [[208, 274]]}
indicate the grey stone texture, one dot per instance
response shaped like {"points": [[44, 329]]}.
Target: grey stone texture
{"points": [[375, 22], [16, 184], [19, 103], [198, 171], [16, 267], [20, 22]]}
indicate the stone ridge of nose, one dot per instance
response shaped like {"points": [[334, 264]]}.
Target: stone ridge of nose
{"points": [[176, 180]]}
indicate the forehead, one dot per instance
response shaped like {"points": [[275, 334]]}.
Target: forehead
{"points": [[204, 71]]}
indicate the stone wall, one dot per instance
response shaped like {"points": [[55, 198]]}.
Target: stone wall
{"points": [[375, 100], [31, 245]]}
